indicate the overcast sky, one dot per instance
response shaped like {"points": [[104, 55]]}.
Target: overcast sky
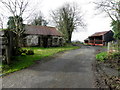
{"points": [[95, 23]]}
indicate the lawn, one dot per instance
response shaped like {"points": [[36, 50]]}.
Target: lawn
{"points": [[21, 62]]}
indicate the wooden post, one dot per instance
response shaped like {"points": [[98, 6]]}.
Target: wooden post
{"points": [[108, 46], [94, 41], [9, 46]]}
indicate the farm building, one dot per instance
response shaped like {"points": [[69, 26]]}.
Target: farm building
{"points": [[100, 38], [43, 36]]}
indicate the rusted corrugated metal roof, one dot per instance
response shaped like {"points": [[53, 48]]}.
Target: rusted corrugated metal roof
{"points": [[99, 33], [41, 30]]}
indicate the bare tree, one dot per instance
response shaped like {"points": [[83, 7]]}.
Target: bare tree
{"points": [[38, 19], [2, 21], [16, 8], [67, 19], [112, 9]]}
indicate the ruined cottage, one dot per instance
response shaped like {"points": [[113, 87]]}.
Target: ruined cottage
{"points": [[42, 36]]}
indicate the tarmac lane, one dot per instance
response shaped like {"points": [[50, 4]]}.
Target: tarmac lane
{"points": [[72, 69]]}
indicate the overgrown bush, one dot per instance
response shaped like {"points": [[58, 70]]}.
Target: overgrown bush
{"points": [[102, 56], [18, 52], [115, 55], [22, 52], [112, 59], [5, 67], [30, 52]]}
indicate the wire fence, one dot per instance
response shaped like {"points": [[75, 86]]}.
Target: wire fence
{"points": [[113, 47]]}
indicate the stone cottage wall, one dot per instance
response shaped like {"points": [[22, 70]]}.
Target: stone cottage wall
{"points": [[43, 41], [31, 40]]}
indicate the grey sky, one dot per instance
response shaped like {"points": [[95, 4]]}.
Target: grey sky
{"points": [[95, 23]]}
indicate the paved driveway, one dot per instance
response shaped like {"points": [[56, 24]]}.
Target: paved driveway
{"points": [[72, 69]]}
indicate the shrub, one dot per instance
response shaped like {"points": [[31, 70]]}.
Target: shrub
{"points": [[5, 67], [23, 54], [101, 56], [30, 52], [115, 55], [18, 52], [24, 51]]}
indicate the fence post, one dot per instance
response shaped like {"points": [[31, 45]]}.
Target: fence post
{"points": [[108, 47]]}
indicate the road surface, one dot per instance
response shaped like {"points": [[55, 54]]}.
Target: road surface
{"points": [[72, 69]]}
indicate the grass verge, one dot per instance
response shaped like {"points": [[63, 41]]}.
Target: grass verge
{"points": [[21, 62], [111, 59], [101, 56]]}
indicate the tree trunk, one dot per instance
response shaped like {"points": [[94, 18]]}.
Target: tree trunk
{"points": [[17, 44], [69, 38], [17, 41]]}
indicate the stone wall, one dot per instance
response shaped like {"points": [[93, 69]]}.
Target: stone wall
{"points": [[57, 41], [3, 46], [31, 40], [6, 46], [43, 41]]}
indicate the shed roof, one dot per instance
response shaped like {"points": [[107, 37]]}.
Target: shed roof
{"points": [[99, 33], [41, 30]]}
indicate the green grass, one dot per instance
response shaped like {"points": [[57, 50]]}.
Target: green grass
{"points": [[101, 56], [104, 47], [21, 62], [2, 29]]}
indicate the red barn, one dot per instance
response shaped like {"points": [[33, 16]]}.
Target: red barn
{"points": [[100, 38]]}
